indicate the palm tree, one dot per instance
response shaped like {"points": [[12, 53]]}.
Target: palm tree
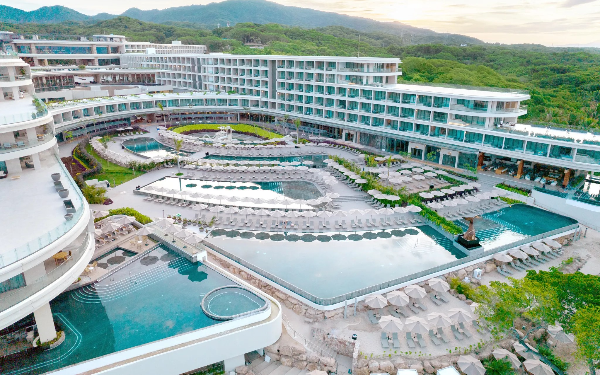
{"points": [[159, 104], [297, 123], [286, 118], [389, 164], [178, 145]]}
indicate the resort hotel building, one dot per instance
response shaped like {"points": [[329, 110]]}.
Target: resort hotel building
{"points": [[124, 297]]}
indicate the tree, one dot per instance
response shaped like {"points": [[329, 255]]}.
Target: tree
{"points": [[159, 104], [94, 195], [297, 123], [178, 145], [587, 335], [498, 367]]}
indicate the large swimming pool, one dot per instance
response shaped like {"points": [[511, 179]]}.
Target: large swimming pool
{"points": [[245, 194], [156, 297], [149, 147], [316, 159], [515, 223]]}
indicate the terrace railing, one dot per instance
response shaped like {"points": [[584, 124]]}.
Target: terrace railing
{"points": [[385, 285]]}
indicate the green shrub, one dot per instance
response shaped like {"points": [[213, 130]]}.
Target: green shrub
{"points": [[547, 352], [94, 195], [498, 367], [514, 189], [463, 288], [142, 219], [465, 176], [510, 200], [238, 128]]}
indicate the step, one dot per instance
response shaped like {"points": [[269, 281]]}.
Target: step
{"points": [[303, 372], [258, 364], [269, 369], [281, 370], [293, 371]]}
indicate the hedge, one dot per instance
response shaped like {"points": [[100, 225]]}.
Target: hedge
{"points": [[465, 176], [80, 153], [514, 189]]}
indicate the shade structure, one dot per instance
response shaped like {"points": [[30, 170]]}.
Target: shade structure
{"points": [[415, 291], [438, 285], [460, 315], [390, 323], [461, 201], [536, 367], [361, 181], [552, 243], [447, 191], [183, 233], [415, 324], [523, 351], [435, 205], [398, 298], [438, 193], [430, 174], [144, 231], [470, 365], [559, 335], [376, 301], [439, 320], [515, 253], [99, 214], [504, 258], [413, 208], [164, 222], [110, 227], [450, 203], [529, 250], [540, 246], [193, 239], [400, 210], [98, 232], [472, 199], [503, 353], [426, 195]]}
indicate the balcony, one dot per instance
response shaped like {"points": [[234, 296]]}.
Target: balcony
{"points": [[462, 108], [23, 143], [22, 110]]}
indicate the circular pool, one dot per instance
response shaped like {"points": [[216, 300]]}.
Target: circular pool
{"points": [[231, 302]]}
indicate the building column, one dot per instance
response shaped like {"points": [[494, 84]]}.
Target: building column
{"points": [[520, 169], [37, 164], [567, 177], [14, 166], [231, 363], [45, 323], [480, 160]]}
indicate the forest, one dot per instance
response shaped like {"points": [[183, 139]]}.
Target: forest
{"points": [[564, 83]]}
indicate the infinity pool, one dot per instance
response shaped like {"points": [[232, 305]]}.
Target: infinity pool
{"points": [[244, 194], [156, 297], [149, 147]]}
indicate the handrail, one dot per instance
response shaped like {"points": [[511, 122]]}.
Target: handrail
{"points": [[378, 287], [46, 239]]}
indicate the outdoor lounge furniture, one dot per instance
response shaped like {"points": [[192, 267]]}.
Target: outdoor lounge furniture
{"points": [[435, 300], [372, 317], [457, 334], [464, 330], [413, 308], [502, 272], [442, 335], [409, 341], [384, 341], [503, 268], [393, 312], [421, 341], [421, 306], [395, 341], [434, 338], [442, 297]]}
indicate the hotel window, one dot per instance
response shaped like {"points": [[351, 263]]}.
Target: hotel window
{"points": [[328, 114], [329, 103], [63, 50], [394, 97], [560, 152], [342, 104], [406, 126], [392, 124], [393, 111], [437, 131], [493, 141], [407, 113], [422, 129], [440, 117], [475, 105], [367, 94], [439, 102], [341, 91], [513, 144], [587, 156], [425, 100], [379, 95], [457, 135], [341, 116], [353, 93], [102, 50], [473, 138], [353, 106], [365, 120], [378, 108], [352, 117], [377, 121], [365, 107], [471, 120], [409, 98], [536, 148], [424, 115]]}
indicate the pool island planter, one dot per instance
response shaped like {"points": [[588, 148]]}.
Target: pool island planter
{"points": [[69, 206]]}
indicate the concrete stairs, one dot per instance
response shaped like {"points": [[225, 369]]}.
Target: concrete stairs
{"points": [[260, 367]]}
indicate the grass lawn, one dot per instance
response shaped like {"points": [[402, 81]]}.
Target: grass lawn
{"points": [[242, 128], [115, 174]]}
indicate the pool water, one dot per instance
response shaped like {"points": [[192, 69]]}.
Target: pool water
{"points": [[241, 192], [149, 147], [337, 267], [316, 159], [514, 223], [226, 303], [114, 258], [155, 297]]}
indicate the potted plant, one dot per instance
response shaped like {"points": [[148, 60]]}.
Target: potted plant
{"points": [[63, 193], [55, 176]]}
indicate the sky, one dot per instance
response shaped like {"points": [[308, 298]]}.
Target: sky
{"points": [[548, 22]]}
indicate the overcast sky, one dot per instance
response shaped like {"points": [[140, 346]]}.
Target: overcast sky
{"points": [[560, 22]]}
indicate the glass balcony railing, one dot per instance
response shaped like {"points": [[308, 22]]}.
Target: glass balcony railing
{"points": [[36, 244], [15, 296], [6, 147]]}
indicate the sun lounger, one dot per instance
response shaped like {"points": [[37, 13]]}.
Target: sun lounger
{"points": [[442, 335], [360, 223], [372, 317], [434, 338], [352, 223], [395, 341], [435, 300], [413, 309], [503, 268], [393, 312], [465, 331], [409, 341], [457, 334], [421, 306], [421, 341], [501, 272], [442, 297], [384, 341]]}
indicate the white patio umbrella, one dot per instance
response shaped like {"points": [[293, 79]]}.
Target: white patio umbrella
{"points": [[99, 214], [552, 243], [529, 250], [448, 191], [163, 222], [503, 353], [415, 324], [439, 320], [540, 246], [449, 203], [419, 177], [184, 233], [430, 174], [325, 214], [504, 258], [376, 301], [522, 351], [110, 227], [397, 298], [471, 198], [98, 232], [361, 181], [559, 334], [193, 239], [435, 205], [473, 306], [418, 170], [457, 188], [262, 212], [278, 213], [400, 210], [437, 193], [470, 365], [461, 201], [291, 214], [515, 253], [413, 208], [438, 285], [415, 291], [460, 315], [390, 323], [537, 367], [124, 220]]}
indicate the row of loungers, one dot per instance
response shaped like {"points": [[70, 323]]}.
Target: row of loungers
{"points": [[529, 263], [306, 225], [474, 210]]}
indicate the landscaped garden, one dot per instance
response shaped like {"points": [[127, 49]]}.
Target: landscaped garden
{"points": [[238, 128], [113, 173]]}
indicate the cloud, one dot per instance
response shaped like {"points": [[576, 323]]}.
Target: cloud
{"points": [[574, 3]]}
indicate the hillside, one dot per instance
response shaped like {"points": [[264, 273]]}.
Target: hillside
{"points": [[241, 11]]}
